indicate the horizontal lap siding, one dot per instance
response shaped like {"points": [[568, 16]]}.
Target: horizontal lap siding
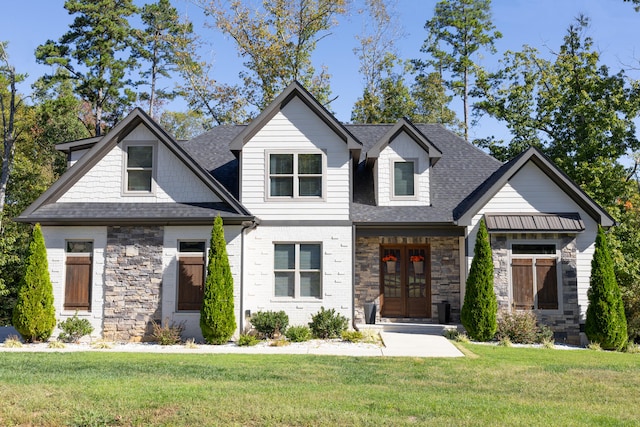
{"points": [[296, 128]]}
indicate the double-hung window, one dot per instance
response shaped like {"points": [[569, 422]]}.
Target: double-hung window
{"points": [[534, 276], [298, 270], [139, 169], [295, 175], [404, 179], [77, 289]]}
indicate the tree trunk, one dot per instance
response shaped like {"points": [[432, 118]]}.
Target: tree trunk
{"points": [[99, 113], [9, 140], [465, 101]]}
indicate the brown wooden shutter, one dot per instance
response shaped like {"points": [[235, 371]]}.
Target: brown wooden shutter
{"points": [[547, 285], [522, 278], [190, 282], [77, 291]]}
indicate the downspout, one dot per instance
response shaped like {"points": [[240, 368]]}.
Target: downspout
{"points": [[353, 277], [246, 225]]}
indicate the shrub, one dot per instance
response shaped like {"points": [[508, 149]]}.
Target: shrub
{"points": [[522, 328], [450, 334], [352, 336], [12, 341], [74, 328], [167, 334], [606, 323], [34, 316], [479, 311], [270, 323], [298, 333], [55, 344], [217, 318], [327, 324], [246, 340]]}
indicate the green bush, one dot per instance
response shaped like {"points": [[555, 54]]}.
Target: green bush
{"points": [[522, 328], [166, 333], [246, 340], [34, 316], [479, 311], [352, 336], [328, 324], [74, 328], [606, 323], [298, 333], [217, 318], [270, 323]]}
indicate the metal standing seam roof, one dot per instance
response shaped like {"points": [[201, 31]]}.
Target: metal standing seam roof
{"points": [[534, 222]]}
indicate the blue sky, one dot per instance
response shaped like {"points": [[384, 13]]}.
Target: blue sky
{"points": [[615, 28]]}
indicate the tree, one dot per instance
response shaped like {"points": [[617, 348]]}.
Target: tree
{"points": [[479, 311], [96, 54], [432, 102], [157, 47], [606, 323], [277, 41], [183, 126], [458, 30], [34, 316], [217, 317]]}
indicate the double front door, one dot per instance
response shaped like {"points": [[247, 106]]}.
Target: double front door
{"points": [[405, 281]]}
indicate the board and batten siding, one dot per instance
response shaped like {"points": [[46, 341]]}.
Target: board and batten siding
{"points": [[172, 236], [402, 148], [337, 258], [293, 129], [531, 190], [174, 181], [55, 239]]}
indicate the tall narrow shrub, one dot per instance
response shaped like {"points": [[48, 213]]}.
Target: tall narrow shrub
{"points": [[34, 316], [479, 311], [217, 319], [606, 323]]}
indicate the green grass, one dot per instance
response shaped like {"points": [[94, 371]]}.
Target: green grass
{"points": [[494, 386]]}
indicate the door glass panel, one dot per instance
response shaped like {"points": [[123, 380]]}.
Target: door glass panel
{"points": [[392, 278], [417, 273]]}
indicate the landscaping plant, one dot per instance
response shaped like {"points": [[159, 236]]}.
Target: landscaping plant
{"points": [[606, 323], [522, 328], [328, 324], [74, 328], [298, 333], [167, 333], [217, 318], [34, 316], [270, 324], [479, 311]]}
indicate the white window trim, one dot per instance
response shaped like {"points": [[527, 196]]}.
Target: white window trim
{"points": [[296, 197], [125, 169], [296, 277], [180, 255], [392, 178], [81, 313], [559, 283]]}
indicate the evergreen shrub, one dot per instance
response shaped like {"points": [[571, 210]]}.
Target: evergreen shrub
{"points": [[270, 324], [328, 324]]}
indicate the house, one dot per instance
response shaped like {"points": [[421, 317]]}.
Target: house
{"points": [[316, 213]]}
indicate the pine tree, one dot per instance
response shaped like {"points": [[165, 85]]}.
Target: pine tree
{"points": [[479, 311], [217, 318], [34, 315], [606, 323]]}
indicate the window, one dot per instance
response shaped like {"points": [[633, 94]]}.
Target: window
{"points": [[298, 269], [295, 175], [403, 179], [191, 273], [77, 289], [534, 276], [139, 168]]}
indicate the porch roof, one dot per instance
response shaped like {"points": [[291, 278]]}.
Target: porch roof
{"points": [[568, 222]]}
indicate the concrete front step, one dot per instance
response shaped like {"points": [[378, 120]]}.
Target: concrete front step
{"points": [[409, 328]]}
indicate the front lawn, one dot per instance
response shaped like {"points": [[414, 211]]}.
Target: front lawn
{"points": [[493, 386]]}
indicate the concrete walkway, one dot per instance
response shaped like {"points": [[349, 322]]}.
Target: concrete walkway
{"points": [[415, 340]]}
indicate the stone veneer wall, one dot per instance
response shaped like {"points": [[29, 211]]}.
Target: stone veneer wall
{"points": [[133, 282], [445, 272], [565, 322]]}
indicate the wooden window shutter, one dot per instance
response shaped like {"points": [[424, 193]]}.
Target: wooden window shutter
{"points": [[547, 283], [77, 293], [522, 279], [190, 282]]}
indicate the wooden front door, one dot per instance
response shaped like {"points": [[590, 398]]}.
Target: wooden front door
{"points": [[405, 281]]}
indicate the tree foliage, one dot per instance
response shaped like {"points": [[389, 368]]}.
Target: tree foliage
{"points": [[217, 317], [34, 315], [606, 323], [96, 53], [479, 311], [458, 31]]}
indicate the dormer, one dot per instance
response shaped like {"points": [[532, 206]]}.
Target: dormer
{"points": [[401, 162]]}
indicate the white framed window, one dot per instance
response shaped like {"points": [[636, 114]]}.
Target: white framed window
{"points": [[298, 270], [139, 163], [191, 274], [296, 175], [404, 179], [78, 275], [535, 280]]}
